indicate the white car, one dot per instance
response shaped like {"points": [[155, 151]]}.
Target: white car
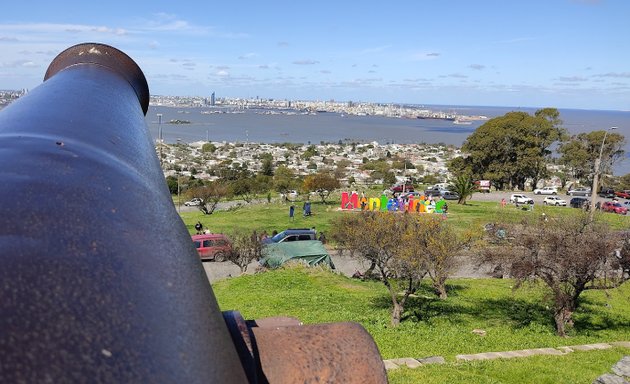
{"points": [[194, 202], [519, 198], [546, 191], [554, 200]]}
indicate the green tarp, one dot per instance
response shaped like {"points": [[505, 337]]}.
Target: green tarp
{"points": [[311, 252]]}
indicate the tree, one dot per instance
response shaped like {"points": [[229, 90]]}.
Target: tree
{"points": [[624, 181], [578, 154], [389, 178], [243, 188], [208, 148], [284, 180], [568, 254], [464, 187], [512, 148], [171, 181], [377, 237], [309, 152], [321, 182], [211, 194], [438, 245], [267, 167], [245, 248]]}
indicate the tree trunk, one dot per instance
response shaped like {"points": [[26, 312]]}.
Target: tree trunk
{"points": [[368, 274], [396, 313], [562, 317], [440, 290]]}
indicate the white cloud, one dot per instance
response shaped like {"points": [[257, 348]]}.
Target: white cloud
{"points": [[306, 62]]}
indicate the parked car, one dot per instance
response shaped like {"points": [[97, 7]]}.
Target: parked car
{"points": [[194, 202], [400, 187], [296, 234], [608, 193], [435, 190], [612, 206], [213, 246], [448, 195], [625, 194], [546, 191], [579, 191], [519, 198], [579, 202], [554, 200]]}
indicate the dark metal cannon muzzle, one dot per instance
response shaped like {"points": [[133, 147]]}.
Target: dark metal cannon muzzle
{"points": [[99, 280]]}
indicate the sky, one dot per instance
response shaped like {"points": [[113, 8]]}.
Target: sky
{"points": [[534, 53]]}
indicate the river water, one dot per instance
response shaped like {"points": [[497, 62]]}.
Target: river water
{"points": [[254, 126]]}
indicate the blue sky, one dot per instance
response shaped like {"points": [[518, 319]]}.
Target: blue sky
{"points": [[557, 53]]}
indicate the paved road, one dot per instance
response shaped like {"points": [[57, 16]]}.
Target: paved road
{"points": [[343, 263], [538, 199]]}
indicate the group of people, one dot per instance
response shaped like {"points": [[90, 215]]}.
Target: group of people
{"points": [[306, 210]]}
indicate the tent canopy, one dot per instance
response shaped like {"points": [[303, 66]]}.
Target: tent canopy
{"points": [[311, 252]]}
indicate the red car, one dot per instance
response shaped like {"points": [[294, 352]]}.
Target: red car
{"points": [[611, 206], [399, 188], [625, 194], [213, 246]]}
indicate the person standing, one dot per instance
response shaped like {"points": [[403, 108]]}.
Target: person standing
{"points": [[291, 212]]}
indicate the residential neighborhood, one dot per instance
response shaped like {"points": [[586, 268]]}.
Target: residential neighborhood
{"points": [[202, 158]]}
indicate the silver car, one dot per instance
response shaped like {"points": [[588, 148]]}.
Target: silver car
{"points": [[579, 191]]}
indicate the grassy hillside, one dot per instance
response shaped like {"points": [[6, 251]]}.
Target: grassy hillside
{"points": [[512, 319]]}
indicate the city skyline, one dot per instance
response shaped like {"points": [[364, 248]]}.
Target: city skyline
{"points": [[564, 53]]}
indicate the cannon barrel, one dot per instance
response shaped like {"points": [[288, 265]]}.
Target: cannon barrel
{"points": [[99, 280]]}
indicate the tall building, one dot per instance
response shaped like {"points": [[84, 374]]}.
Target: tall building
{"points": [[212, 99]]}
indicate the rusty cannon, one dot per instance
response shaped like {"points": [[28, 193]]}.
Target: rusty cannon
{"points": [[99, 280]]}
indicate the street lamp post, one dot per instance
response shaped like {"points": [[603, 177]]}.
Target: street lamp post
{"points": [[597, 167]]}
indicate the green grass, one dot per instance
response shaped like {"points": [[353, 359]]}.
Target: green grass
{"points": [[259, 217], [275, 216], [512, 319], [574, 368]]}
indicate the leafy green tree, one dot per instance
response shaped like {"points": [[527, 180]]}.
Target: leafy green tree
{"points": [[321, 182], [171, 181], [513, 148], [267, 167], [389, 178], [284, 180], [309, 152], [464, 187], [208, 148], [578, 154], [624, 181], [243, 188], [459, 166]]}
